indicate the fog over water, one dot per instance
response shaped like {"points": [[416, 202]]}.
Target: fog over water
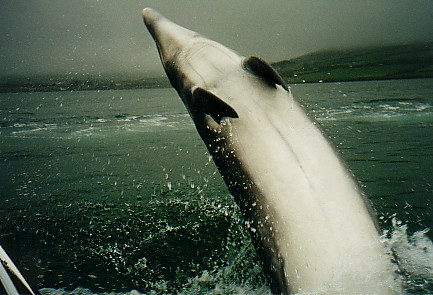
{"points": [[106, 38]]}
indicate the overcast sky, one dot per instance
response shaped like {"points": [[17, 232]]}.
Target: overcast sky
{"points": [[106, 37]]}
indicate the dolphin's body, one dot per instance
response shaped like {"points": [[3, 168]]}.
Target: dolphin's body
{"points": [[308, 219]]}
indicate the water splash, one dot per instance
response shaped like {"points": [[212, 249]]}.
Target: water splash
{"points": [[414, 256]]}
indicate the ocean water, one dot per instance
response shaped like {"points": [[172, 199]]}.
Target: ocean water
{"points": [[113, 192]]}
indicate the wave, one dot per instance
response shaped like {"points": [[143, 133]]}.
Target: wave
{"points": [[76, 127], [81, 291], [378, 110]]}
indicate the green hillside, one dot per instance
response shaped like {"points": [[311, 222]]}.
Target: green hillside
{"points": [[391, 62]]}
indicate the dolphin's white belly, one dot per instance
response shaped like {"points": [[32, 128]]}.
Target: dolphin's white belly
{"points": [[321, 223]]}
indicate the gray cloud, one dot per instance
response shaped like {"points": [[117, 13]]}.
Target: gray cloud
{"points": [[107, 37]]}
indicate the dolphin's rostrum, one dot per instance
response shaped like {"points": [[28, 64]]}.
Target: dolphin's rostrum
{"points": [[309, 221]]}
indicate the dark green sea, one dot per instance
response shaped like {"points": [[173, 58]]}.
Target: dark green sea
{"points": [[114, 192]]}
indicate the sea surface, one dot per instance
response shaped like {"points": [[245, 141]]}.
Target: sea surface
{"points": [[113, 192]]}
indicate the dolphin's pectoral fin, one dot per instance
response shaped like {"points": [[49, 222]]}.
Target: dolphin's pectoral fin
{"points": [[263, 70], [212, 105]]}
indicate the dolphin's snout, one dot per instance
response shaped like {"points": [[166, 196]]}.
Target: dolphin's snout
{"points": [[150, 16], [169, 37]]}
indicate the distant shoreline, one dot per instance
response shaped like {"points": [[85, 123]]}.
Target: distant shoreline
{"points": [[78, 85], [408, 61], [163, 84]]}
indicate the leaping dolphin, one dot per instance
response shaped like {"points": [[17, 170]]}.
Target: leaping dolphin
{"points": [[309, 221]]}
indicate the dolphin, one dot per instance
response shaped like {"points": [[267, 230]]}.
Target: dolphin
{"points": [[309, 221]]}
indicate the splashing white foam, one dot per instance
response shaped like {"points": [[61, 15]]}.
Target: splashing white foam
{"points": [[414, 256]]}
